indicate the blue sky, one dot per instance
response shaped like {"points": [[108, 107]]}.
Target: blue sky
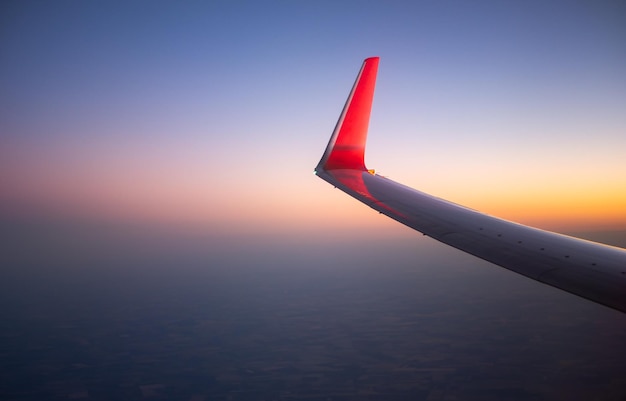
{"points": [[215, 113]]}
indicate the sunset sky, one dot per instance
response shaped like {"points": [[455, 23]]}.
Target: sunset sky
{"points": [[163, 234], [212, 115]]}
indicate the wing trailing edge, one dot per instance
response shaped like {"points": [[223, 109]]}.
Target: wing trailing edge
{"points": [[590, 270]]}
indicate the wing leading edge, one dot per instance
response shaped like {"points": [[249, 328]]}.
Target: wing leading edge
{"points": [[591, 270]]}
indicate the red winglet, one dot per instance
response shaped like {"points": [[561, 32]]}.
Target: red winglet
{"points": [[346, 148]]}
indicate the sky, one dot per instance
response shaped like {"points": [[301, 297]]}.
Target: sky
{"points": [[211, 115], [157, 195]]}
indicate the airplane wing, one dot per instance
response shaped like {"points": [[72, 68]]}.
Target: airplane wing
{"points": [[591, 270]]}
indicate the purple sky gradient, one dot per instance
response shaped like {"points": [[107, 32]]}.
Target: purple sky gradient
{"points": [[215, 114]]}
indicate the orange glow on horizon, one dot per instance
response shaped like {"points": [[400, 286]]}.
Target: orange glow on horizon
{"points": [[558, 209], [153, 197], [147, 189]]}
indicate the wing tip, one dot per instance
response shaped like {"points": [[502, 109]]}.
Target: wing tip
{"points": [[346, 148]]}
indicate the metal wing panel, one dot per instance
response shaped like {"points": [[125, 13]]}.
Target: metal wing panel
{"points": [[588, 269]]}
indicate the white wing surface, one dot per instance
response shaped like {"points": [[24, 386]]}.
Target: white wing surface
{"points": [[591, 270]]}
